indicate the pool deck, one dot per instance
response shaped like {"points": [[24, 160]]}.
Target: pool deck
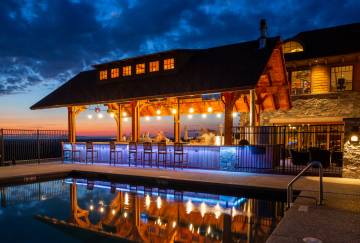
{"points": [[337, 221]]}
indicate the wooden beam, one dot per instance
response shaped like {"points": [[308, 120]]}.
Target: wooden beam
{"points": [[135, 121], [177, 123]]}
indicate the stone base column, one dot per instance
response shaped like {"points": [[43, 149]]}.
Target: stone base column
{"points": [[351, 167]]}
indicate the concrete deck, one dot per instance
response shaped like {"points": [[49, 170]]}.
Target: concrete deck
{"points": [[337, 221]]}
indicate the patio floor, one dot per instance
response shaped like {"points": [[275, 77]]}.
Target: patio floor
{"points": [[337, 221]]}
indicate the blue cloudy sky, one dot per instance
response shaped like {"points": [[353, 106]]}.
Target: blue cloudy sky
{"points": [[45, 42]]}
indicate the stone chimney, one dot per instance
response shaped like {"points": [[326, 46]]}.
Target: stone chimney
{"points": [[263, 34]]}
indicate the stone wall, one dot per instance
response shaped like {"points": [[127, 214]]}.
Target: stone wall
{"points": [[351, 167]]}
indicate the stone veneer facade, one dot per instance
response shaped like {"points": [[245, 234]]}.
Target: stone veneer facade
{"points": [[339, 107]]}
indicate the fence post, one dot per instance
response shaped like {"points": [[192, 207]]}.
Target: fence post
{"points": [[38, 145], [2, 152], [284, 148]]}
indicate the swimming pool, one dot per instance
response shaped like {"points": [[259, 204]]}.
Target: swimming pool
{"points": [[84, 210]]}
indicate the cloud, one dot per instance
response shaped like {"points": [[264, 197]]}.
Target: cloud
{"points": [[45, 42]]}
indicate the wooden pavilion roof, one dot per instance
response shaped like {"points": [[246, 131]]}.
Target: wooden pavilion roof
{"points": [[236, 67]]}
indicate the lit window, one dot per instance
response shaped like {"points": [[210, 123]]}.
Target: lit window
{"points": [[169, 64], [140, 68], [154, 66], [126, 71], [292, 46], [301, 82], [103, 74], [114, 73], [341, 78]]}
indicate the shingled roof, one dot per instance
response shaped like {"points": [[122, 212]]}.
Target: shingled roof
{"points": [[333, 41], [225, 68]]}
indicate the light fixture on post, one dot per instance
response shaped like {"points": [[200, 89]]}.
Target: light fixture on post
{"points": [[354, 137]]}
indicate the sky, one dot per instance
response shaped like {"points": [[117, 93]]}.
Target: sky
{"points": [[43, 43]]}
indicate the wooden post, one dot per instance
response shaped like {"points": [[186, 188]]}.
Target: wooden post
{"points": [[252, 113], [229, 99], [118, 124], [177, 122], [135, 121], [2, 151], [71, 124]]}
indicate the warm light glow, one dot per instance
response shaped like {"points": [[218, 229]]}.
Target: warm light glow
{"points": [[124, 114], [112, 115], [210, 109], [191, 227], [203, 115], [158, 202], [103, 74], [218, 115], [91, 207], [189, 207], [147, 201], [190, 116], [173, 111], [217, 211], [113, 212], [158, 118], [126, 119], [102, 209], [354, 139], [174, 224], [158, 111], [100, 115], [89, 116], [126, 71], [147, 118], [218, 140], [154, 66], [125, 214], [203, 209], [234, 114], [209, 230], [114, 73], [140, 68], [126, 200], [191, 110]]}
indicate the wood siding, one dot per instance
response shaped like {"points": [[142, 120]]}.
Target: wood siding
{"points": [[356, 76], [320, 79]]}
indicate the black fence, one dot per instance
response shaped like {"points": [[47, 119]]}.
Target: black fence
{"points": [[28, 146], [287, 149]]}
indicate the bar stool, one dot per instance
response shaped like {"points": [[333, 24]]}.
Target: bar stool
{"points": [[71, 152], [133, 153], [115, 154], [162, 154], [180, 155], [147, 153], [90, 150]]}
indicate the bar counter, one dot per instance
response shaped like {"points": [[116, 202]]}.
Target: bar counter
{"points": [[225, 157]]}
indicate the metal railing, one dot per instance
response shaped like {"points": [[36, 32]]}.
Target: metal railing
{"points": [[290, 148], [290, 194], [29, 146]]}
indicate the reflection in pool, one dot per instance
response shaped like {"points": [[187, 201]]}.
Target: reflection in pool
{"points": [[77, 210]]}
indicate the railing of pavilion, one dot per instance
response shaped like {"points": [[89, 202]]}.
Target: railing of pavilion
{"points": [[290, 147], [29, 146]]}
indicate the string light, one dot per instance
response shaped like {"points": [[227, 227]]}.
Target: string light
{"points": [[203, 115], [126, 200], [125, 214], [100, 115], [124, 114], [190, 116], [158, 202], [89, 116], [158, 118], [102, 209], [174, 224], [173, 111], [125, 119], [91, 207], [112, 115], [191, 110], [147, 118], [158, 111], [147, 201], [234, 114], [113, 212], [218, 115], [210, 109]]}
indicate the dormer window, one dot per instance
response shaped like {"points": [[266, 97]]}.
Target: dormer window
{"points": [[114, 73], [103, 74], [169, 64], [292, 46], [154, 66], [126, 71], [140, 68]]}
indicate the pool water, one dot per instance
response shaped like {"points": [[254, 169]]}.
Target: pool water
{"points": [[79, 210]]}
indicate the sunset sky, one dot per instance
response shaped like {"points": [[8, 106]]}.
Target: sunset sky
{"points": [[45, 43]]}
